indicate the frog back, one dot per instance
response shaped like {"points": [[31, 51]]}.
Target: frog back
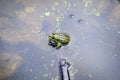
{"points": [[63, 38]]}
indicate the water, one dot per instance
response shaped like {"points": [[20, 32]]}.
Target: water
{"points": [[95, 38]]}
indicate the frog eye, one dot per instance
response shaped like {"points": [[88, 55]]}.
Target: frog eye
{"points": [[53, 33]]}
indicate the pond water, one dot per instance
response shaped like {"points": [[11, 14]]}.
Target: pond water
{"points": [[94, 50]]}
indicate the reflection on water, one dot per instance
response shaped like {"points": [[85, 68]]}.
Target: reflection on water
{"points": [[8, 64], [94, 28]]}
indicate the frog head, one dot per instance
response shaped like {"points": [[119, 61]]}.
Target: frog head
{"points": [[52, 36], [54, 40]]}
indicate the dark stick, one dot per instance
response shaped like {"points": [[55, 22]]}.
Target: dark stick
{"points": [[64, 69]]}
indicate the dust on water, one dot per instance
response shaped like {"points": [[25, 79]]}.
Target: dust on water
{"points": [[8, 64]]}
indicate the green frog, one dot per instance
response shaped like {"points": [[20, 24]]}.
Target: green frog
{"points": [[58, 40]]}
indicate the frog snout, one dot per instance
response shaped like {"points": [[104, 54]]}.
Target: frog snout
{"points": [[49, 36]]}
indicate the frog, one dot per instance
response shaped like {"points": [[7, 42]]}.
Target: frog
{"points": [[58, 40]]}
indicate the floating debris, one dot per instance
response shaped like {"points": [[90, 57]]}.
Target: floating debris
{"points": [[29, 9], [80, 21], [87, 2], [71, 15], [47, 13]]}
